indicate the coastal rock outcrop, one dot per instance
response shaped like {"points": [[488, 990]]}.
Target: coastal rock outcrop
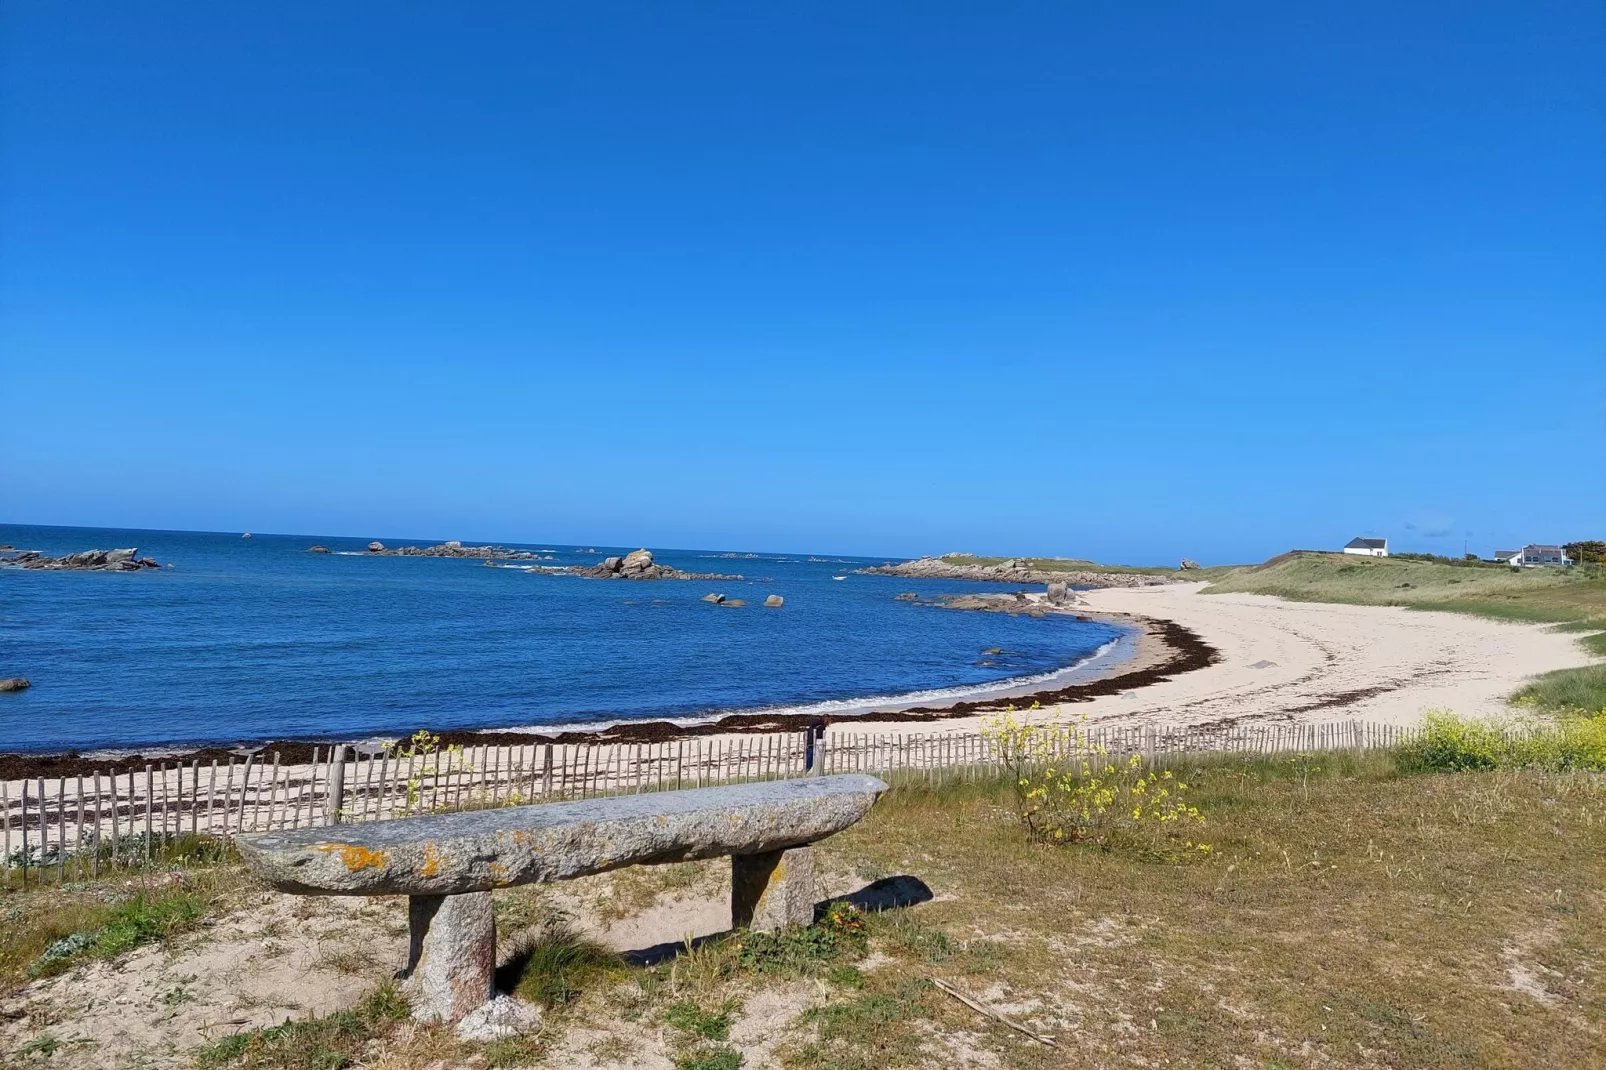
{"points": [[1187, 565], [454, 548], [1014, 571], [15, 683], [639, 565], [775, 601], [125, 560]]}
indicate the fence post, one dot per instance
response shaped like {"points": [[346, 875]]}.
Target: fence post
{"points": [[337, 784]]}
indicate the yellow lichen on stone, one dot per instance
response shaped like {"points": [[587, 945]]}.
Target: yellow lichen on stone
{"points": [[354, 857], [431, 864]]}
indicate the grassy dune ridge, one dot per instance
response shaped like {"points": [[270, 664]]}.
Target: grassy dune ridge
{"points": [[1074, 564]]}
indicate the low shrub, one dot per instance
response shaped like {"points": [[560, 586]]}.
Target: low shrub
{"points": [[1069, 789], [1448, 743]]}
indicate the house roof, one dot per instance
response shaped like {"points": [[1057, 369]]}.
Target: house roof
{"points": [[1367, 544], [1501, 555], [1541, 548]]}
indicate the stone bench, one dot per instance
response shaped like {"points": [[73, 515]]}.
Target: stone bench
{"points": [[448, 863]]}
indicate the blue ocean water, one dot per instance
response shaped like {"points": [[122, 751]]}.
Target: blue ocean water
{"points": [[249, 639]]}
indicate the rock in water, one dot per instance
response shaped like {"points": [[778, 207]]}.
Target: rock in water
{"points": [[732, 602], [375, 547], [14, 683], [774, 601], [714, 598], [636, 561], [317, 549], [611, 564]]}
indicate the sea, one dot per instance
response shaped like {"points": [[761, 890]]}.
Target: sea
{"points": [[239, 639]]}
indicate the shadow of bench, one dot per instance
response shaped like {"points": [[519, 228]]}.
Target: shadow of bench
{"points": [[449, 863]]}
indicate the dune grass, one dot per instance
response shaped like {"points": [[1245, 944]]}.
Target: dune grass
{"points": [[1574, 599], [48, 931], [1348, 915]]}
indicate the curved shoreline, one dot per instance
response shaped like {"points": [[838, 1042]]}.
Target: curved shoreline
{"points": [[1163, 649]]}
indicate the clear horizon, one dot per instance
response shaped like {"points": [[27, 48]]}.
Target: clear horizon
{"points": [[1113, 284]]}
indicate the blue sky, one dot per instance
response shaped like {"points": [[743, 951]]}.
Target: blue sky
{"points": [[1120, 281]]}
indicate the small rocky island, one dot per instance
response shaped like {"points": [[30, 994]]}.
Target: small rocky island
{"points": [[637, 565], [1014, 571], [452, 548], [127, 560]]}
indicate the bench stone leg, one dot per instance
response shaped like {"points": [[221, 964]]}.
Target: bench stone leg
{"points": [[772, 890], [451, 954]]}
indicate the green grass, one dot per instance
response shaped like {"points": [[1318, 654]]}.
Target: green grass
{"points": [[332, 1042], [554, 966], [46, 933], [1574, 599]]}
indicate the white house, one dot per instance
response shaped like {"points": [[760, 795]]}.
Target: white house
{"points": [[1535, 555], [1367, 547]]}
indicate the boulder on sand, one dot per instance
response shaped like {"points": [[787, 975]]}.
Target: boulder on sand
{"points": [[375, 547], [1188, 565], [14, 683], [774, 601]]}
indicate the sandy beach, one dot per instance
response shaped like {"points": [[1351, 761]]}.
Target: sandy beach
{"points": [[1287, 662]]}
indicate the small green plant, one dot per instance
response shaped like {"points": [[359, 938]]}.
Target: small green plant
{"points": [[710, 1025], [709, 1057], [808, 951], [44, 1044], [1304, 765]]}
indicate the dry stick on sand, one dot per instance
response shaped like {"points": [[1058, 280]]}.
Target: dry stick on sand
{"points": [[989, 1013]]}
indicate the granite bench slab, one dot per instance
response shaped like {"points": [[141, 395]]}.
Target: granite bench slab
{"points": [[449, 863], [476, 851]]}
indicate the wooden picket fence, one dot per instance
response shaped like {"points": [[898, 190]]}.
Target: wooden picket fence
{"points": [[74, 827]]}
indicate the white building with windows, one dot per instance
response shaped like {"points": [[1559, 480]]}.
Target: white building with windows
{"points": [[1367, 547], [1535, 555]]}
